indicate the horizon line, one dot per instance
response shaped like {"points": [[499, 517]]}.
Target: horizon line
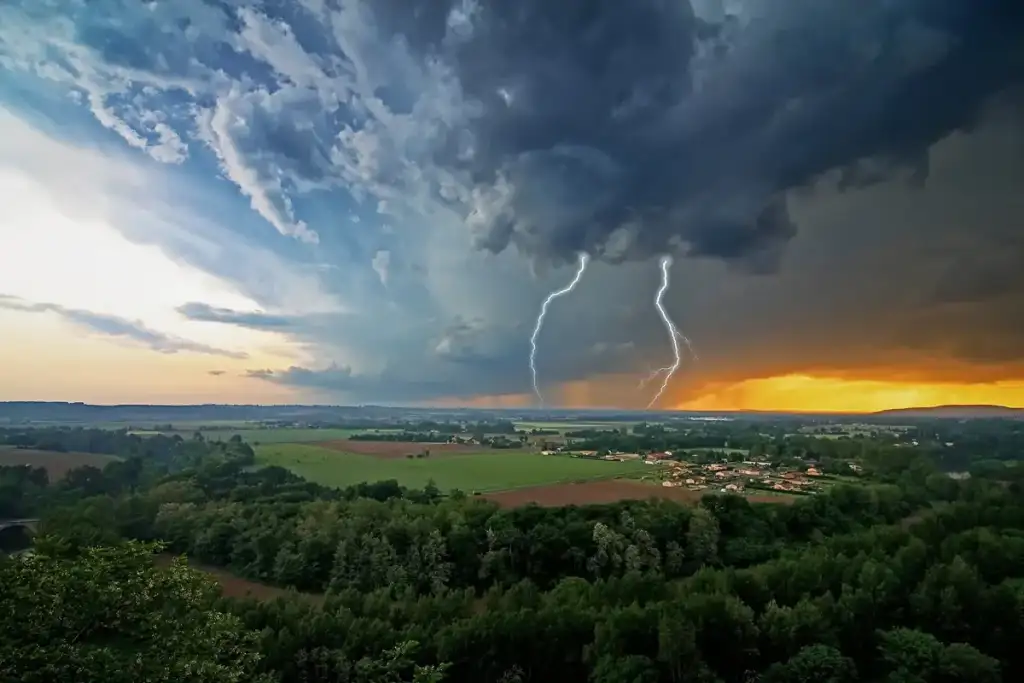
{"points": [[640, 411]]}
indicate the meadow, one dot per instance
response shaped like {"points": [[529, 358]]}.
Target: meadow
{"points": [[495, 470]]}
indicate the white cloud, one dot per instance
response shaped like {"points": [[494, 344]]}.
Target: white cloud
{"points": [[381, 264], [221, 129], [28, 46], [63, 242]]}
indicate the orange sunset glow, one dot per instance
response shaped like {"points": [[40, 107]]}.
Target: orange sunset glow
{"points": [[803, 393]]}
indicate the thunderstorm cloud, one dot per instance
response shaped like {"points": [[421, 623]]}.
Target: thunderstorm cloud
{"points": [[399, 184]]}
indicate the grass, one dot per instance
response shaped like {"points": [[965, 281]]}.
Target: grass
{"points": [[489, 471]]}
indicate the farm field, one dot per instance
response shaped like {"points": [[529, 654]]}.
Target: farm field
{"points": [[493, 470], [609, 491], [397, 449], [56, 464]]}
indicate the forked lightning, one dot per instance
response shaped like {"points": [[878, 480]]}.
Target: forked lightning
{"points": [[673, 332], [540, 322]]}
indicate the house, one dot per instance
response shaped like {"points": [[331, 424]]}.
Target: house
{"points": [[813, 472]]}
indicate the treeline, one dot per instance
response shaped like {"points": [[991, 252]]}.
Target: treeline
{"points": [[158, 450], [958, 446], [402, 436], [27, 491], [271, 526], [493, 441], [427, 431]]}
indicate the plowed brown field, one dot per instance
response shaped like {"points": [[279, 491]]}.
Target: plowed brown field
{"points": [[398, 449], [56, 464]]}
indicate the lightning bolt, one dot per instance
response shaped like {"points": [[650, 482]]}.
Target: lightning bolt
{"points": [[540, 321], [673, 333], [651, 374]]}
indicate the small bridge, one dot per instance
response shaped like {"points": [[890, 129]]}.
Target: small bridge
{"points": [[29, 524]]}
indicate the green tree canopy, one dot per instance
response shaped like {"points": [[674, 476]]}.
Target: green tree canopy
{"points": [[110, 615]]}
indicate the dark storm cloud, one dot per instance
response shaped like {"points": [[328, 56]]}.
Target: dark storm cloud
{"points": [[627, 129]]}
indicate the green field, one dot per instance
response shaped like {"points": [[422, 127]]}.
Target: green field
{"points": [[489, 471]]}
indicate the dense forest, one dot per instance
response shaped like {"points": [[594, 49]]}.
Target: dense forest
{"points": [[908, 577]]}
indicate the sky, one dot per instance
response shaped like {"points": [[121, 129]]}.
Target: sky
{"points": [[346, 201]]}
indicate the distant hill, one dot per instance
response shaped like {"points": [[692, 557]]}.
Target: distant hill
{"points": [[956, 412]]}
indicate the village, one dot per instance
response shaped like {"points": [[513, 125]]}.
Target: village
{"points": [[727, 477]]}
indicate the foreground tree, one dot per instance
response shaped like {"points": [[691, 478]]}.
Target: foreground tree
{"points": [[110, 615]]}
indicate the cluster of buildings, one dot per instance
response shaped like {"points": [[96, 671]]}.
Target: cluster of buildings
{"points": [[735, 478], [727, 477]]}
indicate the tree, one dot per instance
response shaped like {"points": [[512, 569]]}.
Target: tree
{"points": [[813, 664], [703, 535], [917, 657], [962, 663], [109, 614]]}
